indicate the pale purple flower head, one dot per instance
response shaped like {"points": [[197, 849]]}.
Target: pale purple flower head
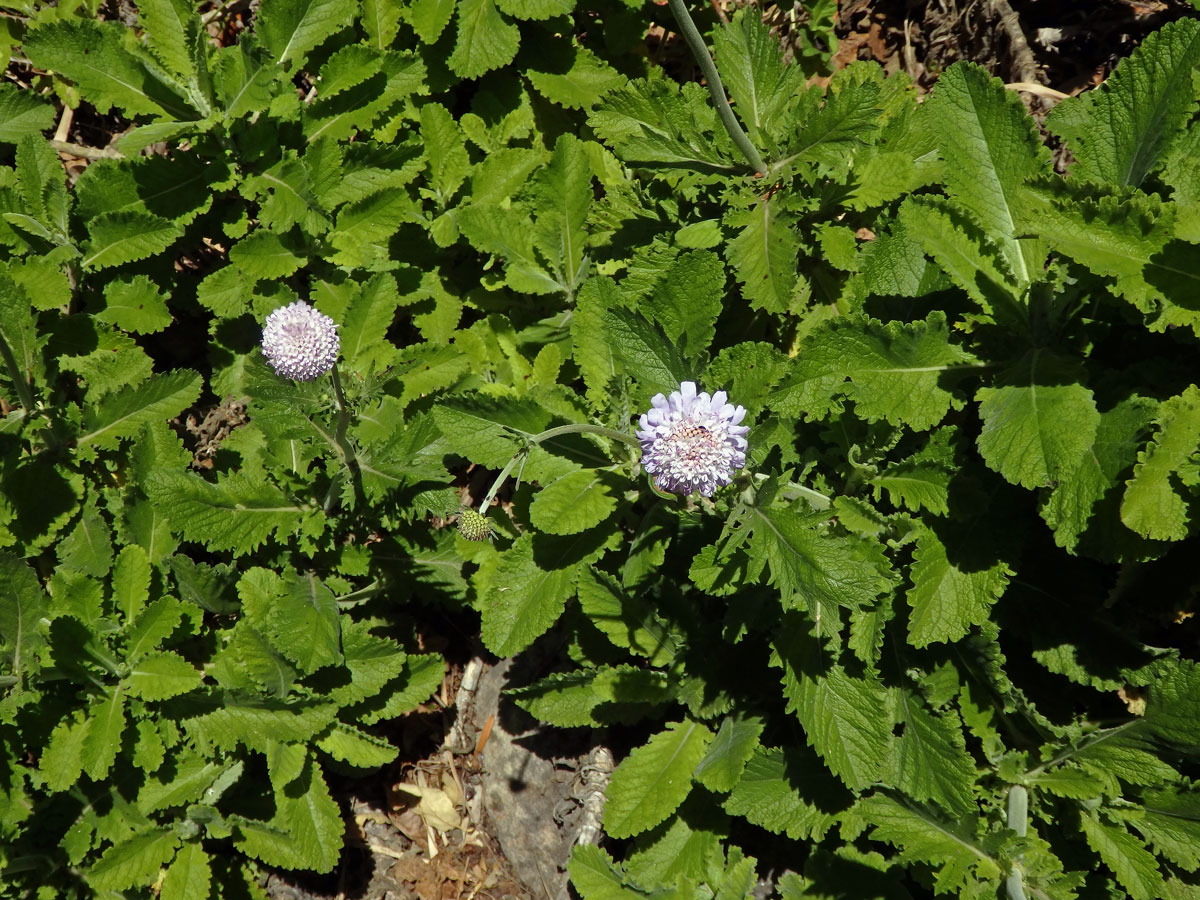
{"points": [[692, 442], [300, 342]]}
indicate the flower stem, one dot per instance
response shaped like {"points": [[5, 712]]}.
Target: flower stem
{"points": [[1017, 819], [347, 449], [696, 44], [545, 436], [343, 421]]}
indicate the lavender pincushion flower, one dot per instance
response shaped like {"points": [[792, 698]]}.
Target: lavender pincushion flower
{"points": [[300, 342], [692, 442]]}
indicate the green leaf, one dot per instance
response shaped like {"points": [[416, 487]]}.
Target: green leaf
{"points": [[116, 364], [1121, 131], [562, 194], [189, 777], [654, 779], [846, 121], [1038, 421], [596, 357], [445, 151], [238, 513], [136, 305], [61, 763], [574, 699], [366, 322], [842, 714], [421, 678], [102, 740], [18, 330], [509, 233], [310, 823], [91, 55], [189, 876], [348, 67], [1084, 507], [1172, 826], [951, 591], [22, 113], [224, 721], [158, 676], [381, 22], [88, 546], [687, 300], [812, 568], [656, 120], [628, 621], [1134, 866], [486, 40], [916, 485], [580, 83], [573, 503], [646, 353], [429, 18], [22, 605], [765, 256], [171, 28], [752, 68], [289, 29], [355, 747], [155, 623], [244, 78], [747, 371], [596, 877], [931, 761], [991, 147], [1173, 715], [536, 9], [1152, 505], [896, 371], [520, 600], [964, 252], [126, 412], [787, 793], [925, 837], [127, 236], [42, 190], [133, 862], [364, 226], [131, 581], [297, 612], [263, 255], [735, 743]]}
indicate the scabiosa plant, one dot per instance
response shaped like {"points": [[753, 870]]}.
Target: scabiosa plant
{"points": [[300, 342], [692, 442]]}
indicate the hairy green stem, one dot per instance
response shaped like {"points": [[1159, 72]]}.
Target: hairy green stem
{"points": [[349, 458], [545, 436], [696, 44], [1018, 821], [343, 421]]}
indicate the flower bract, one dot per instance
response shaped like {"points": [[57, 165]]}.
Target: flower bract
{"points": [[692, 442], [474, 526], [300, 342]]}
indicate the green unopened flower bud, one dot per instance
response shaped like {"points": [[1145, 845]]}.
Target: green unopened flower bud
{"points": [[474, 526]]}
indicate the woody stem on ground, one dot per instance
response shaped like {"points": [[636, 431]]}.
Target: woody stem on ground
{"points": [[696, 44], [545, 436]]}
